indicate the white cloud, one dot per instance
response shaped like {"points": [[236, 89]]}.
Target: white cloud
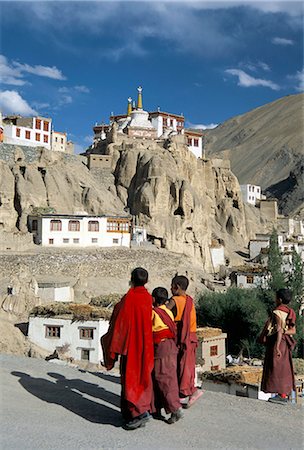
{"points": [[201, 126], [254, 67], [10, 75], [65, 100], [82, 88], [13, 73], [12, 103], [41, 71], [282, 41], [246, 80], [299, 79]]}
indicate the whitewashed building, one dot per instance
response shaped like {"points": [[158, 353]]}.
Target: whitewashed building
{"points": [[81, 338], [59, 141], [251, 193], [250, 278], [211, 351], [28, 131], [152, 125], [67, 230], [217, 253], [55, 291], [167, 122]]}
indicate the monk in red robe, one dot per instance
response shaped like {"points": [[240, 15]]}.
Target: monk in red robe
{"points": [[183, 309], [130, 336], [165, 359], [277, 335]]}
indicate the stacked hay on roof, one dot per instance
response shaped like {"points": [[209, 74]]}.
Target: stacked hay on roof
{"points": [[208, 332], [236, 374], [74, 311]]}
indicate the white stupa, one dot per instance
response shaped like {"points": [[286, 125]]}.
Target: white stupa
{"points": [[140, 125]]}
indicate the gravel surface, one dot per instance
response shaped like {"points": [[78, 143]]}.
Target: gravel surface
{"points": [[48, 405]]}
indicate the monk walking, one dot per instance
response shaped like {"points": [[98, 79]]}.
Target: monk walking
{"points": [[278, 375], [182, 307], [130, 335]]}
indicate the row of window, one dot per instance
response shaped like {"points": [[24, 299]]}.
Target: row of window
{"points": [[115, 225], [195, 142], [251, 189], [54, 331], [76, 241], [171, 122], [38, 123], [61, 139], [251, 197], [28, 135]]}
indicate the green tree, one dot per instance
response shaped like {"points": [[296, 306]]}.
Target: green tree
{"points": [[240, 313], [275, 263], [295, 283]]}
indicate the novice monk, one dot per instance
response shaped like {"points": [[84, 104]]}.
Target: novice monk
{"points": [[183, 309], [130, 335], [165, 358], [278, 375]]}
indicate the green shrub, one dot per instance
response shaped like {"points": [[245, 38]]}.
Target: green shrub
{"points": [[241, 313]]}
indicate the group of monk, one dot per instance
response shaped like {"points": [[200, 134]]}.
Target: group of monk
{"points": [[155, 337]]}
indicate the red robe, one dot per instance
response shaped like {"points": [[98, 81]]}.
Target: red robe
{"points": [[130, 335]]}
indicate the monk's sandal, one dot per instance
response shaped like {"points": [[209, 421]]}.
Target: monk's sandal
{"points": [[175, 416]]}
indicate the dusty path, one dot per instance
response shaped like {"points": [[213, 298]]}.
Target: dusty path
{"points": [[45, 405]]}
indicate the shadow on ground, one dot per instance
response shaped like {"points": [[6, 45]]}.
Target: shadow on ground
{"points": [[61, 392]]}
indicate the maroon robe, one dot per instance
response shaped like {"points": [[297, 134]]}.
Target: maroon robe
{"points": [[278, 374], [187, 344], [165, 368]]}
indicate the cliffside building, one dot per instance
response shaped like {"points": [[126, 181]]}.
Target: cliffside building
{"points": [[138, 123], [28, 131], [251, 193], [67, 230], [34, 132]]}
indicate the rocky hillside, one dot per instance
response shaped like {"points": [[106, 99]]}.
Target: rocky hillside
{"points": [[265, 147], [186, 204]]}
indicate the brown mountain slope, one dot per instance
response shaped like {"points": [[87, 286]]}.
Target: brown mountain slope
{"points": [[263, 145]]}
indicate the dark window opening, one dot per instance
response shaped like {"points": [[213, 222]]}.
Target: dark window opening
{"points": [[179, 211]]}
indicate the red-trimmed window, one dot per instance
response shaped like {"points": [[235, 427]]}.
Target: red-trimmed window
{"points": [[56, 225], [45, 138], [38, 124], [195, 142], [213, 350], [190, 141], [18, 132], [74, 225], [37, 136], [27, 134], [45, 126], [93, 225]]}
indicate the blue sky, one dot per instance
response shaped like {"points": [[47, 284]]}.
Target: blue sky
{"points": [[79, 61]]}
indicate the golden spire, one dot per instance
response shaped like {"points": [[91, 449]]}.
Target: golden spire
{"points": [[129, 106], [139, 98]]}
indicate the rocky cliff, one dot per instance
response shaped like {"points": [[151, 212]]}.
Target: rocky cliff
{"points": [[265, 147], [186, 204]]}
